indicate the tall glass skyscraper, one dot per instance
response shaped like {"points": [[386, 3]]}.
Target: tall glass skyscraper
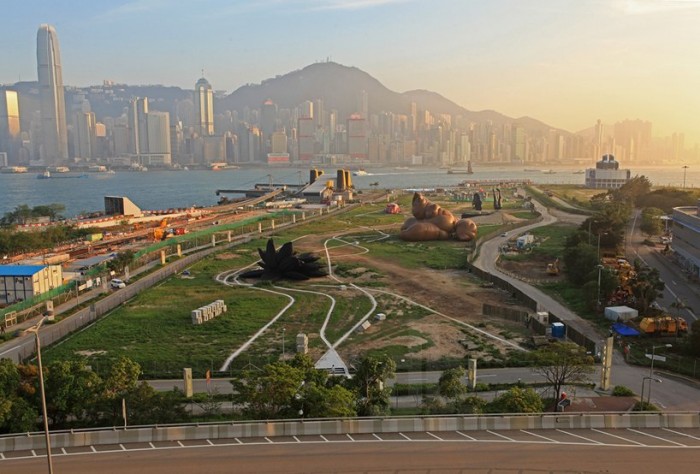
{"points": [[53, 106], [204, 107]]}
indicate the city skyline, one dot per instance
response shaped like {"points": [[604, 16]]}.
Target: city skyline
{"points": [[565, 63]]}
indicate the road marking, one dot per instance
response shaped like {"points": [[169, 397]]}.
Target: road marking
{"points": [[540, 436], [268, 439], [238, 441], [180, 443], [324, 438], [409, 439], [94, 450], [679, 433], [296, 439], [500, 435], [33, 453], [377, 436], [466, 436], [2, 456], [674, 282], [619, 437], [350, 437], [434, 436], [210, 443], [581, 437], [124, 449], [63, 450], [657, 437], [149, 443]]}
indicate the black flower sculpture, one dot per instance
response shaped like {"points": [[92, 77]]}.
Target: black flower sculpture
{"points": [[285, 264]]}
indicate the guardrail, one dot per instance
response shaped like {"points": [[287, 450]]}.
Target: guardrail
{"points": [[341, 426]]}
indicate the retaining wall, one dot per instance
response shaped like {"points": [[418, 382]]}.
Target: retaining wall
{"points": [[148, 434]]}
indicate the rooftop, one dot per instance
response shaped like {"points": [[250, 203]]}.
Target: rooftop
{"points": [[19, 270]]}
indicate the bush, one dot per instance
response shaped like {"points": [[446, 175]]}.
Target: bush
{"points": [[644, 406], [622, 391]]}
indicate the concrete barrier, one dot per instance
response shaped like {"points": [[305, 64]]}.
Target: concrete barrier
{"points": [[145, 434]]}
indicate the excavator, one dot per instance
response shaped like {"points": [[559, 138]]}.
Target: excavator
{"points": [[553, 268], [160, 232]]}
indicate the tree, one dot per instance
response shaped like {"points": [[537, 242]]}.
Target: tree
{"points": [[646, 286], [369, 385], [651, 221], [145, 405], [632, 190], [121, 261], [17, 413], [269, 393], [561, 363], [579, 262], [450, 384], [694, 338], [516, 400], [72, 389]]}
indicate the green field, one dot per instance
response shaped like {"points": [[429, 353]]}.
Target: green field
{"points": [[155, 327]]}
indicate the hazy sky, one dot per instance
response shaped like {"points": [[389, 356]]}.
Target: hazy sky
{"points": [[566, 62]]}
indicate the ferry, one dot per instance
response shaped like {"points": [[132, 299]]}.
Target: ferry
{"points": [[13, 169], [360, 172], [58, 169]]}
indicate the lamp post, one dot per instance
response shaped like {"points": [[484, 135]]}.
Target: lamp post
{"points": [[600, 269], [651, 367], [283, 334], [685, 170], [644, 379], [35, 330]]}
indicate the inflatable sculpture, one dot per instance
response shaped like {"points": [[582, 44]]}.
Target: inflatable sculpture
{"points": [[431, 222]]}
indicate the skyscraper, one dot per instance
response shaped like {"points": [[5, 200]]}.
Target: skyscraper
{"points": [[9, 125], [53, 106], [204, 108]]}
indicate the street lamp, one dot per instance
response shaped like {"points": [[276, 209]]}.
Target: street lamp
{"points": [[644, 379], [35, 330], [651, 367], [600, 269], [685, 170]]}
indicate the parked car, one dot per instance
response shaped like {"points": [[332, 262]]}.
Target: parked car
{"points": [[116, 283]]}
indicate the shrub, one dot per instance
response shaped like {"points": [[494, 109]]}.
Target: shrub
{"points": [[622, 391]]}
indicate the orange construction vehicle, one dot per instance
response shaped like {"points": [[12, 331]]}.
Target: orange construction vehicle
{"points": [[553, 268], [663, 326]]}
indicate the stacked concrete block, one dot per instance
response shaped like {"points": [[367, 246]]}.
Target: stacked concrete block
{"points": [[208, 312], [302, 343]]}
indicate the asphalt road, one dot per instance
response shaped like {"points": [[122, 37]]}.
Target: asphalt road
{"points": [[375, 457], [678, 288]]}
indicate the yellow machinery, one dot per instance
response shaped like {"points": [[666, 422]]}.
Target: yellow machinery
{"points": [[159, 233], [553, 268], [663, 326]]}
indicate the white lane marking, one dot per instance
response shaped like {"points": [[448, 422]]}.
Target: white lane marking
{"points": [[409, 439], [123, 448], [466, 436], [33, 453], [500, 435], [238, 441], [657, 437], [349, 437], [324, 438], [151, 445], [674, 282], [180, 443], [377, 436], [296, 439], [581, 437], [63, 450], [679, 433], [618, 437], [540, 436], [94, 450], [2, 456], [268, 439], [210, 443], [436, 437]]}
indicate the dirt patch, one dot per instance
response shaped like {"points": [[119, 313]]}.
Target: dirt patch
{"points": [[452, 293], [534, 269], [90, 353]]}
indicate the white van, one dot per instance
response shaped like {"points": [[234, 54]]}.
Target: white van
{"points": [[116, 283]]}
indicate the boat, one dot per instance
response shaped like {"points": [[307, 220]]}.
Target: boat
{"points": [[45, 175], [58, 169], [360, 172], [13, 169], [549, 172], [529, 170], [467, 170], [48, 175], [580, 172]]}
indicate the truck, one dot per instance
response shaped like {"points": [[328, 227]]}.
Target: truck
{"points": [[663, 326]]}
